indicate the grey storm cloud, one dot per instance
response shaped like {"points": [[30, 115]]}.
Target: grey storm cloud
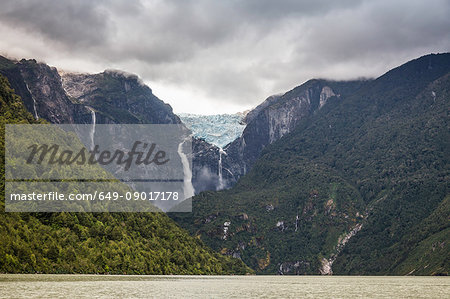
{"points": [[68, 22], [229, 52]]}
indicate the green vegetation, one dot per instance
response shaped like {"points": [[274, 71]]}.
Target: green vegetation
{"points": [[263, 208], [378, 158], [115, 243]]}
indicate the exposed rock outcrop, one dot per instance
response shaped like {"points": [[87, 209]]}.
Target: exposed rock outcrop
{"points": [[277, 116], [39, 86], [326, 264], [119, 98]]}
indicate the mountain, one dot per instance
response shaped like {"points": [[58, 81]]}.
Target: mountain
{"points": [[39, 86], [210, 134], [115, 243], [277, 116], [118, 97], [357, 186], [110, 97], [217, 168], [115, 96], [330, 177]]}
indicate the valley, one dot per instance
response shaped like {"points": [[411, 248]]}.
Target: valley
{"points": [[331, 177]]}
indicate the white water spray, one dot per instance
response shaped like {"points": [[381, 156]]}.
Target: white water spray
{"points": [[92, 134], [221, 184], [188, 188]]}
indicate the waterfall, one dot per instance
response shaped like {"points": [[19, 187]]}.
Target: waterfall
{"points": [[92, 134], [221, 185], [188, 188], [36, 116]]}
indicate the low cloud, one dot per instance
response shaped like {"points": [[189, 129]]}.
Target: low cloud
{"points": [[219, 56]]}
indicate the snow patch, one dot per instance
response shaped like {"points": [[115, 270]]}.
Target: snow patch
{"points": [[219, 129]]}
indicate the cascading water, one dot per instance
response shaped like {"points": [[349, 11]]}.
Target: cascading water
{"points": [[188, 188], [92, 133], [221, 184], [36, 116]]}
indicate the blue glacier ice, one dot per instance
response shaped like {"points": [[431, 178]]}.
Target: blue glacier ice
{"points": [[218, 129]]}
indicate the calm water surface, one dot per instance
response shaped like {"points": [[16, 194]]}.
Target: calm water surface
{"points": [[118, 286]]}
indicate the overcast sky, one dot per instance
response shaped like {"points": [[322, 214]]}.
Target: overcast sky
{"points": [[225, 56]]}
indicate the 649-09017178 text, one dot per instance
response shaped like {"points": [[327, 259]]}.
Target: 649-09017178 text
{"points": [[102, 196]]}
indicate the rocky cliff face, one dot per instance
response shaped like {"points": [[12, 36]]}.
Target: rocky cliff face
{"points": [[118, 97], [115, 96], [275, 117], [205, 165], [39, 86], [104, 98]]}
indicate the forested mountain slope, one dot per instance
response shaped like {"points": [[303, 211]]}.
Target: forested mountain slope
{"points": [[361, 187]]}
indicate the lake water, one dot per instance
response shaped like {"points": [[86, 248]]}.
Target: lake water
{"points": [[140, 286]]}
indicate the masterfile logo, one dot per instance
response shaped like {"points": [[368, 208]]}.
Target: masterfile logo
{"points": [[114, 168], [95, 156]]}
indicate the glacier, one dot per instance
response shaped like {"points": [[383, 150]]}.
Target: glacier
{"points": [[218, 129]]}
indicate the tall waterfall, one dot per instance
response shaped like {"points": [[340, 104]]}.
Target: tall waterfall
{"points": [[221, 184], [36, 116], [188, 188], [92, 134]]}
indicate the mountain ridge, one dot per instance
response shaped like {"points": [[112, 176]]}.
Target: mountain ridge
{"points": [[94, 243], [330, 177], [373, 161]]}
